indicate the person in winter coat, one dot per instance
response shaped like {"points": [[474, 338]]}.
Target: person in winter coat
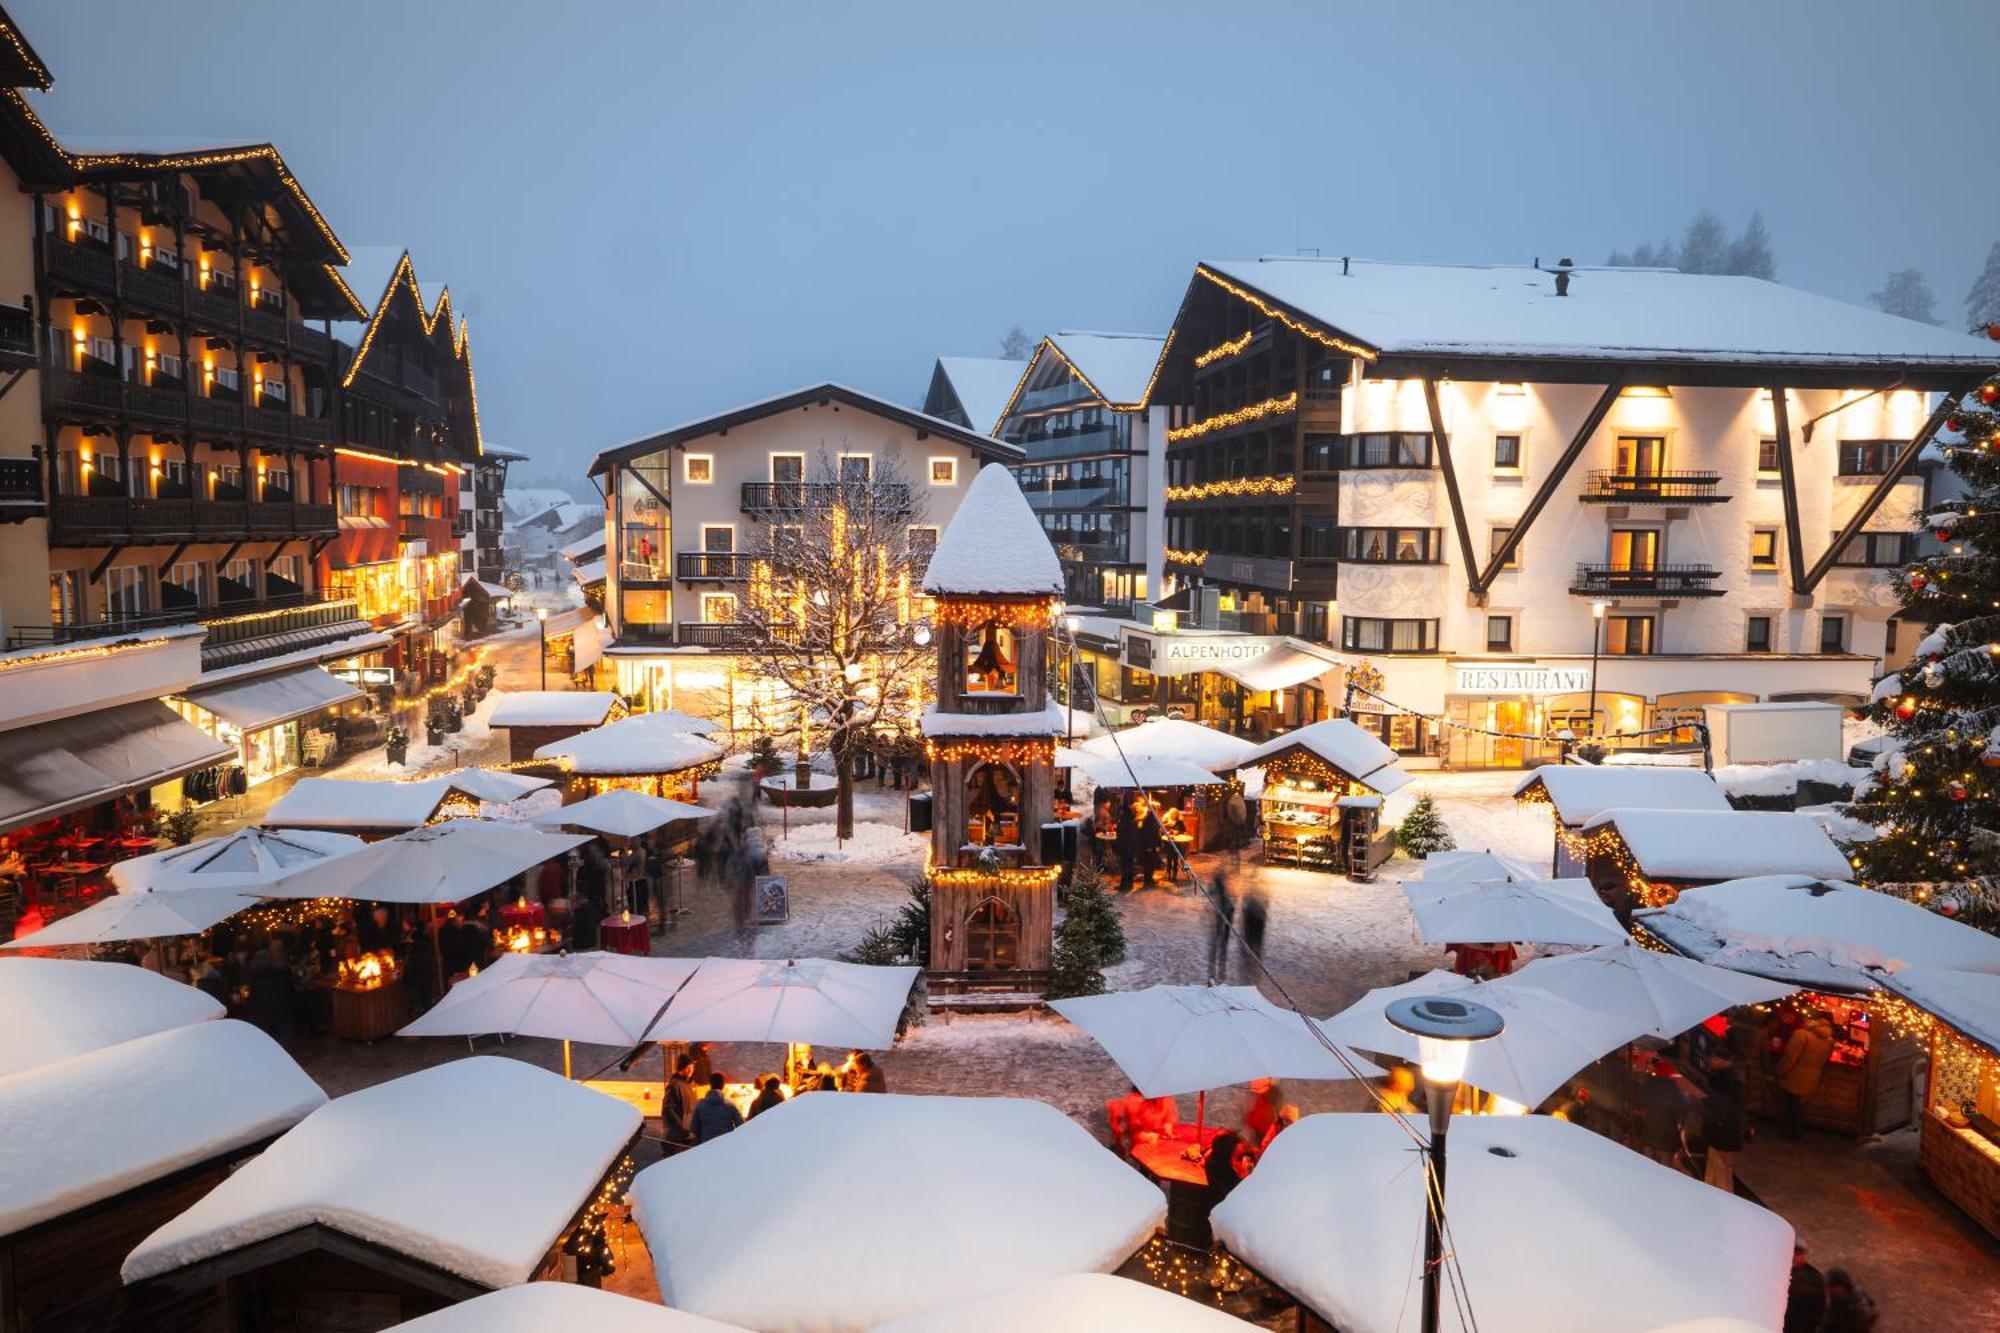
{"points": [[714, 1115], [1800, 1067], [862, 1074], [1722, 1115], [767, 1097], [1847, 1310], [677, 1107], [1805, 1299], [208, 979]]}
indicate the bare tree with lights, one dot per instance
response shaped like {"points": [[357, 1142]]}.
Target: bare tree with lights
{"points": [[831, 619]]}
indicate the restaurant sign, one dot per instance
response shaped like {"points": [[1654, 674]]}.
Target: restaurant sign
{"points": [[1520, 680]]}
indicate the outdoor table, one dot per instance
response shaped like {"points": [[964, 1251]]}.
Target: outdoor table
{"points": [[626, 934], [642, 1095], [1184, 1179], [137, 845]]}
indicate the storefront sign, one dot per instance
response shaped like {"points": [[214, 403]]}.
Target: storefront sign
{"points": [[1520, 680], [1182, 656]]}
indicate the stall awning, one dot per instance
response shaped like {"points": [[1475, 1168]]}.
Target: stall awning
{"points": [[1279, 669], [588, 643], [75, 762], [251, 705]]}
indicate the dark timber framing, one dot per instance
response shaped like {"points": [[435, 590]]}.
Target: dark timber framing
{"points": [[1577, 443], [1442, 442], [1788, 483], [1905, 460]]}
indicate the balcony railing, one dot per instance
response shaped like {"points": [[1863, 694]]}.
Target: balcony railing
{"points": [[1612, 487], [87, 267], [703, 634], [17, 338], [1655, 581], [713, 566], [228, 623], [91, 520], [213, 307], [20, 489], [764, 496], [155, 288]]}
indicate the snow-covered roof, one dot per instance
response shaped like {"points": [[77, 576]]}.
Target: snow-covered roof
{"points": [[641, 744], [56, 1008], [474, 1167], [1047, 722], [1080, 1303], [1546, 1216], [994, 544], [560, 1307], [583, 547], [1119, 366], [352, 803], [1968, 1001], [1724, 844], [834, 1213], [1822, 933], [589, 572], [1623, 314], [1172, 738], [1345, 746], [496, 784], [984, 385], [553, 708], [97, 1125], [1583, 791], [526, 502]]}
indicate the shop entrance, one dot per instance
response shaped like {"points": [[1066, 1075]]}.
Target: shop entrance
{"points": [[1516, 717]]}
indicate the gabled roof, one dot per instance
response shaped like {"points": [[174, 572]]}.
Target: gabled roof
{"points": [[1370, 308], [379, 277], [994, 544], [1117, 369], [982, 445], [982, 385], [20, 66]]}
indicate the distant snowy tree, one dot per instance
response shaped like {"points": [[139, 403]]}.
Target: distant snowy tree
{"points": [[1750, 254], [1705, 245], [1907, 292], [1647, 255], [1016, 344], [1982, 303]]}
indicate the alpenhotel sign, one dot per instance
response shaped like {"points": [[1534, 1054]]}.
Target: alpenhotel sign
{"points": [[1180, 656], [1520, 680]]}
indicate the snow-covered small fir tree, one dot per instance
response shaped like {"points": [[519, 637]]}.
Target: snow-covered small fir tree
{"points": [[1934, 789], [1423, 830]]}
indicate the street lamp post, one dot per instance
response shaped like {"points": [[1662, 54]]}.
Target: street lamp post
{"points": [[542, 635], [1597, 610], [1445, 1029]]}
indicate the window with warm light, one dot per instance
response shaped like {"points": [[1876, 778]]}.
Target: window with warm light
{"points": [[993, 804], [1628, 635], [699, 469], [944, 471], [1763, 549], [992, 937], [718, 608], [992, 660]]}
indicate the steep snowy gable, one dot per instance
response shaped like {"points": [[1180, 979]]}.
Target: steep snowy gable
{"points": [[1343, 745], [1616, 313], [994, 545], [1119, 366], [984, 386], [1724, 844], [1583, 791]]}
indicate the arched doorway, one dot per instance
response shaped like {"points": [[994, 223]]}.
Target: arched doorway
{"points": [[992, 937]]}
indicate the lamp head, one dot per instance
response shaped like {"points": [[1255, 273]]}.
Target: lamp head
{"points": [[541, 613], [1445, 1028], [1597, 609]]}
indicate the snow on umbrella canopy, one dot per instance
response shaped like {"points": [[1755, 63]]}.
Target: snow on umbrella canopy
{"points": [[602, 998], [1546, 911], [812, 1000], [247, 860], [439, 863], [151, 915], [1667, 993]]}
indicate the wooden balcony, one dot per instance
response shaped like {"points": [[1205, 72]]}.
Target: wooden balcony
{"points": [[760, 497], [93, 520], [17, 339], [1658, 488], [85, 266], [1655, 581], [155, 288], [703, 634], [20, 490], [713, 566], [215, 309]]}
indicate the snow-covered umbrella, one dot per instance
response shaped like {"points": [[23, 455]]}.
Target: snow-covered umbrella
{"points": [[1545, 1217], [544, 1307], [814, 1001], [1545, 1042], [607, 999], [1172, 738], [622, 813], [1476, 867], [54, 1008], [153, 915], [1081, 1303], [438, 863], [833, 1213], [1140, 770], [1535, 911], [248, 860], [1666, 993]]}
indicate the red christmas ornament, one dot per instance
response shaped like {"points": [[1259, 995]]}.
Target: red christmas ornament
{"points": [[1906, 708], [1989, 392], [1952, 424], [1949, 909], [1991, 758], [1942, 534], [1993, 332], [1918, 582], [1956, 791]]}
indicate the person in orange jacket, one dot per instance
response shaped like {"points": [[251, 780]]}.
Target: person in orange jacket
{"points": [[1800, 1067]]}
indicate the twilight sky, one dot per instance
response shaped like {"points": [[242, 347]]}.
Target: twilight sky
{"points": [[652, 211]]}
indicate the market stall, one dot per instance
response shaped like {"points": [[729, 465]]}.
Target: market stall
{"points": [[1647, 857], [1578, 793], [648, 752], [1321, 804], [534, 718], [1835, 941], [1960, 1148]]}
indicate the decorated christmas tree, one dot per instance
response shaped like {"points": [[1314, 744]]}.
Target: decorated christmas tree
{"points": [[1935, 791], [1423, 830]]}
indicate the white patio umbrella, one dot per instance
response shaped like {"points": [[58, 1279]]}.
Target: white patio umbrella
{"points": [[1536, 911], [1545, 1042], [815, 1001], [1476, 866], [1553, 1227], [1172, 738], [607, 999], [438, 863], [1081, 1303], [1140, 770], [152, 915], [833, 1213], [544, 1307], [247, 860], [1666, 993], [54, 1008], [622, 812]]}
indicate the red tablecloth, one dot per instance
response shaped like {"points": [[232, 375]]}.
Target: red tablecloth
{"points": [[524, 914], [627, 934]]}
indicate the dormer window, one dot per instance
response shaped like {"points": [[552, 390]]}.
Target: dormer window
{"points": [[992, 664]]}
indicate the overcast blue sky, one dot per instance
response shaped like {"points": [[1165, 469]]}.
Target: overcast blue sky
{"points": [[652, 211]]}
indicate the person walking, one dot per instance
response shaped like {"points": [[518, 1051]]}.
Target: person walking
{"points": [[1848, 1309], [715, 1115], [1256, 915], [1800, 1067], [677, 1107], [1224, 906], [1722, 1115], [1126, 843], [1805, 1299], [268, 1003]]}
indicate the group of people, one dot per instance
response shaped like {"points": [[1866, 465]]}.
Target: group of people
{"points": [[1826, 1302], [1231, 1155], [696, 1108], [730, 850]]}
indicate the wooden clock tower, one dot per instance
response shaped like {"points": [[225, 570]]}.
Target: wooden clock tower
{"points": [[991, 738]]}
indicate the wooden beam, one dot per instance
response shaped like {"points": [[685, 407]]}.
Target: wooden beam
{"points": [[1595, 418], [1442, 442], [276, 551], [97, 575], [1788, 486], [178, 552], [1906, 459]]}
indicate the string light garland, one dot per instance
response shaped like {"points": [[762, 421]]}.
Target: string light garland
{"points": [[1288, 402], [1001, 877], [1270, 311], [114, 649], [1174, 557], [1222, 351], [1038, 613], [1016, 750], [1209, 490], [589, 1241]]}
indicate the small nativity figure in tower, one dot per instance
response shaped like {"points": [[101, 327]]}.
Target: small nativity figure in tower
{"points": [[992, 737]]}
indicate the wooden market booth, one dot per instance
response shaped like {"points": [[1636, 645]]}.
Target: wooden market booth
{"points": [[486, 1171], [1321, 805], [103, 1147], [1960, 1147], [1579, 793], [1646, 858], [534, 718], [1836, 941], [656, 753]]}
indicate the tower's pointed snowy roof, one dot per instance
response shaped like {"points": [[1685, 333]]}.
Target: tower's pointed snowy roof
{"points": [[994, 544]]}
